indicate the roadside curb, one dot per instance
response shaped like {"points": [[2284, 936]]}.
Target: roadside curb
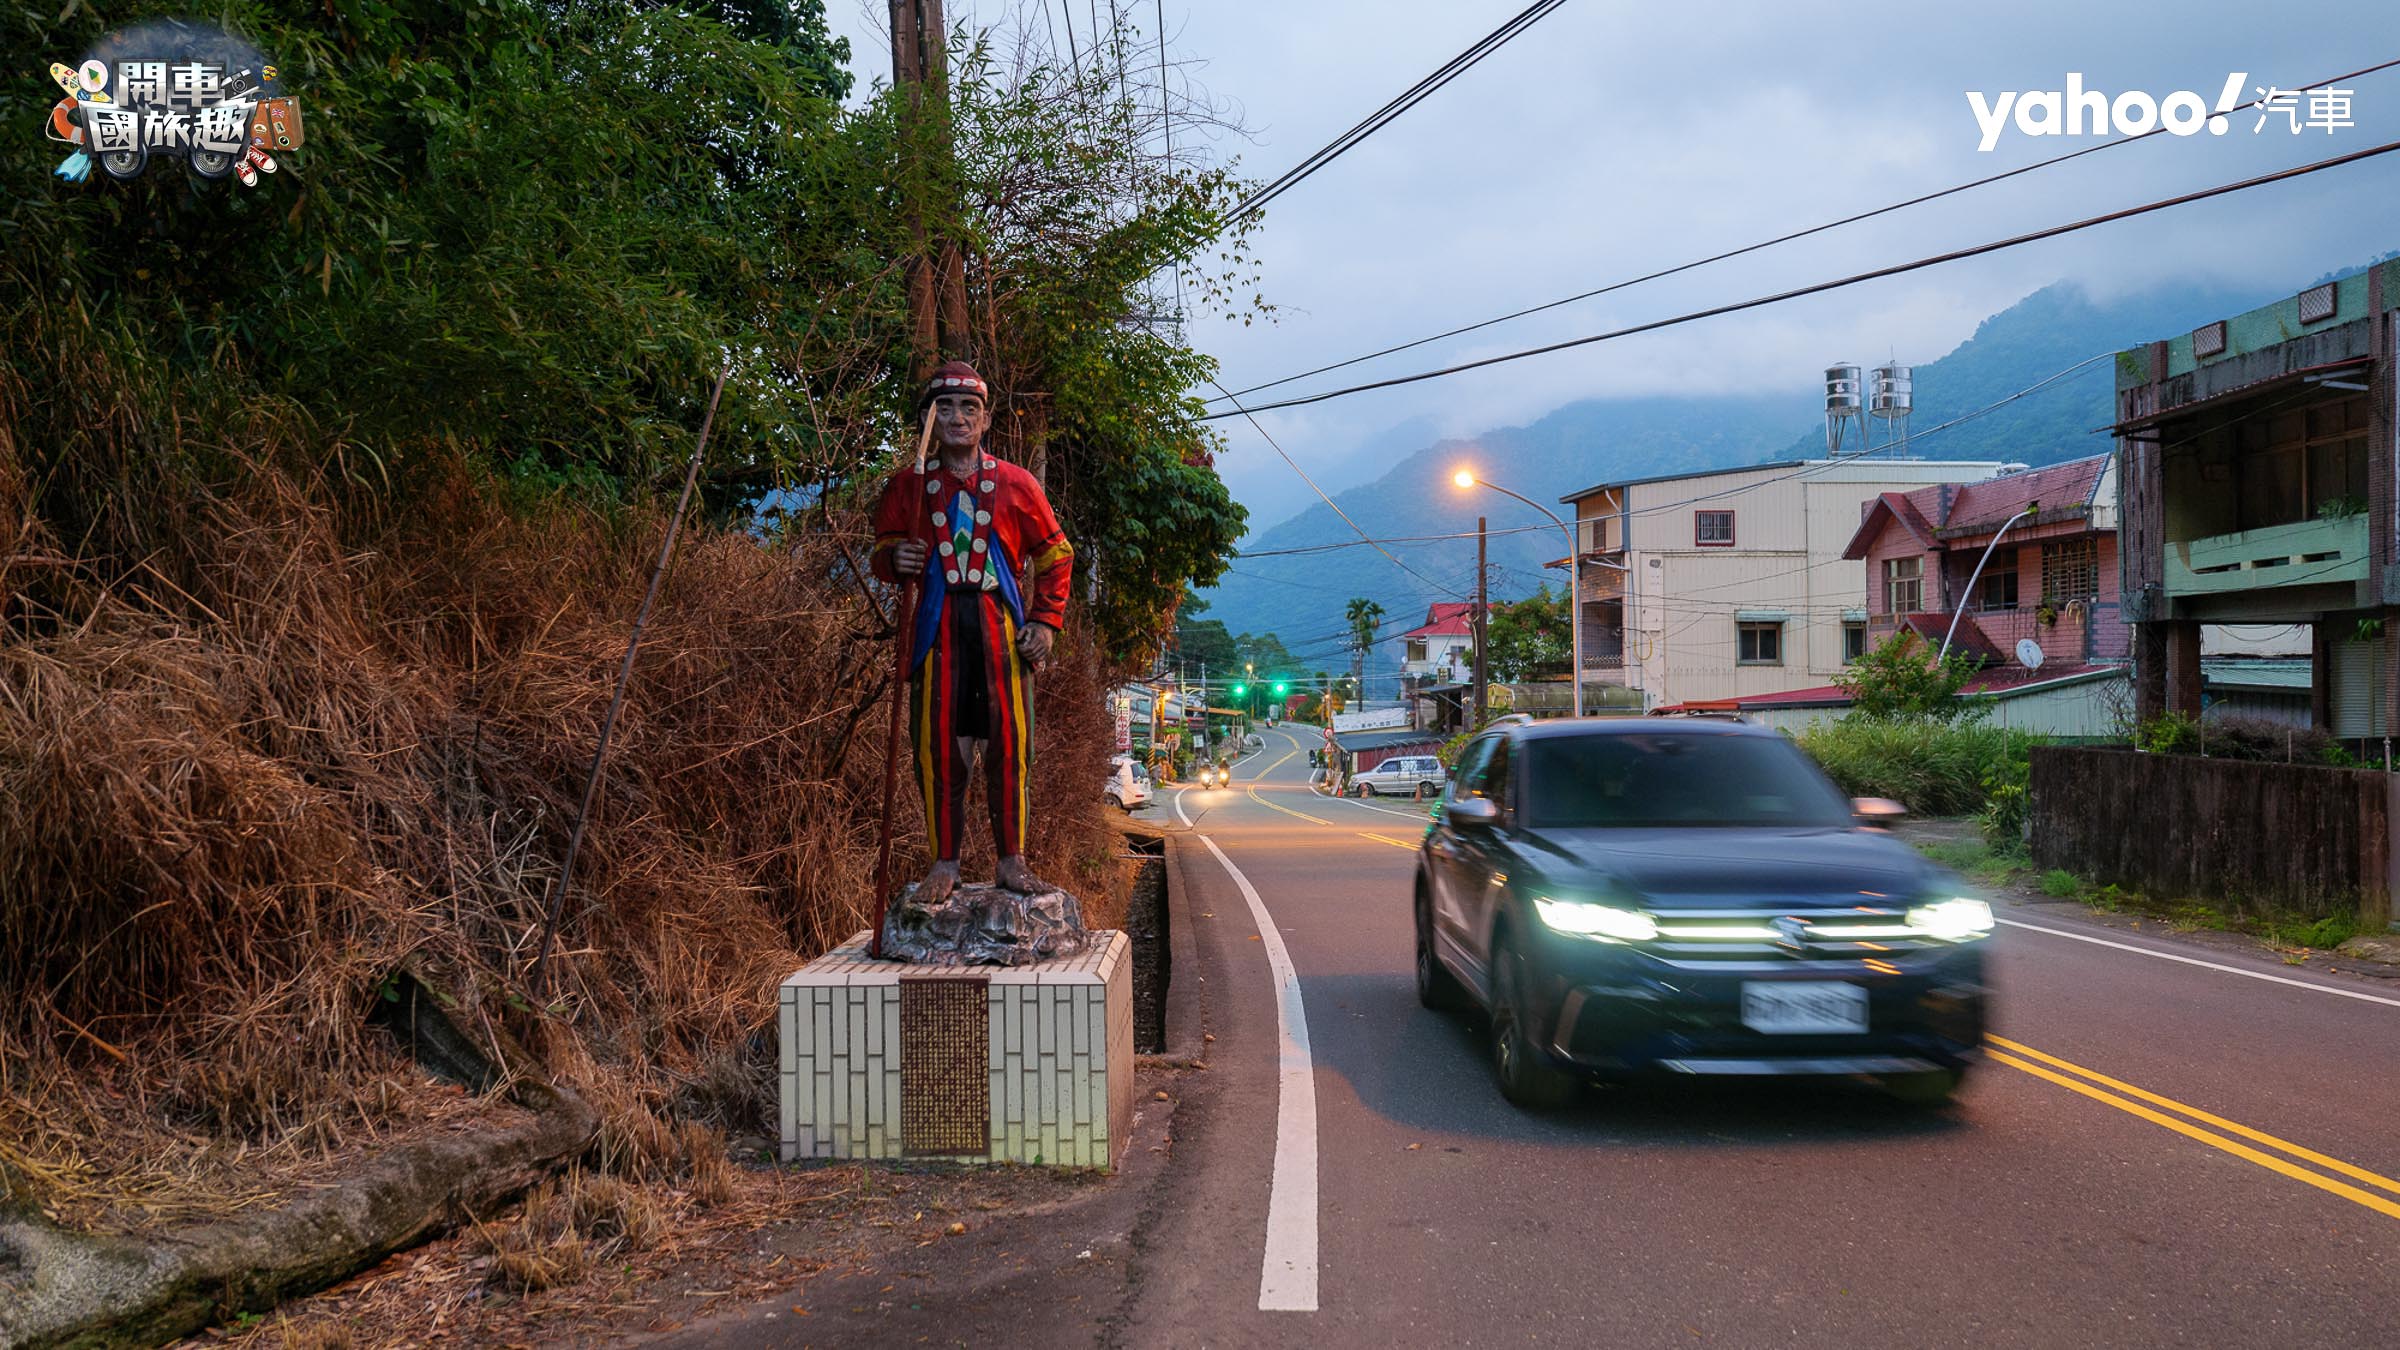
{"points": [[1185, 1016]]}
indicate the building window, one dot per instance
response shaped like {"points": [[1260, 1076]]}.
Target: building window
{"points": [[1713, 528], [2302, 463], [1761, 644], [1854, 640], [2070, 570], [1997, 590], [1903, 585]]}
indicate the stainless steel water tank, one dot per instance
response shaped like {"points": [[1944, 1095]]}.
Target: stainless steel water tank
{"points": [[1844, 386], [1892, 391]]}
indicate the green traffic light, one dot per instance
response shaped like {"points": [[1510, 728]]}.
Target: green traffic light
{"points": [[1240, 689], [1281, 688]]}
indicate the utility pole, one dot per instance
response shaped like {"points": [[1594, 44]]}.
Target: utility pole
{"points": [[937, 277], [1483, 668]]}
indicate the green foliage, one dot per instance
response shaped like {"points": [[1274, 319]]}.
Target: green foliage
{"points": [[531, 229], [1932, 767], [1071, 213], [2328, 932], [1265, 652], [2242, 738], [1901, 678], [2171, 733], [534, 234], [1529, 639], [1363, 616], [2060, 884], [1206, 641], [2007, 795]]}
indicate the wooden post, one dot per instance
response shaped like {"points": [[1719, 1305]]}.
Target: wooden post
{"points": [[1483, 668]]}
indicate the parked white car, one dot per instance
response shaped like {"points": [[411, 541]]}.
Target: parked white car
{"points": [[1403, 776], [1128, 785]]}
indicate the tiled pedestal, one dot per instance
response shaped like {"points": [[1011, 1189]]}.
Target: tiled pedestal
{"points": [[1056, 1085]]}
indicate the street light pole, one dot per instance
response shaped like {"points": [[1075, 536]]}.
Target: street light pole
{"points": [[1960, 608], [1574, 577], [1483, 654]]}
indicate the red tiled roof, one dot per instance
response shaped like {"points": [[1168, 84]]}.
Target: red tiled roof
{"points": [[1446, 618], [1968, 638], [1888, 508]]}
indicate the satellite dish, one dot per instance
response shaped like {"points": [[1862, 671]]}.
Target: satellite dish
{"points": [[2029, 653]]}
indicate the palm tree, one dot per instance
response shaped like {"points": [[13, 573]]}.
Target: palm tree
{"points": [[1364, 616]]}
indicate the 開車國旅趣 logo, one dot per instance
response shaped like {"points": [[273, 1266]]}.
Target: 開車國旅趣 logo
{"points": [[2080, 111], [173, 90]]}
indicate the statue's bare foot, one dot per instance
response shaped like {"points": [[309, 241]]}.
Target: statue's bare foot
{"points": [[939, 882], [1013, 874]]}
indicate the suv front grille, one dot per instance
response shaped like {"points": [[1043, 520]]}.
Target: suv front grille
{"points": [[1848, 935]]}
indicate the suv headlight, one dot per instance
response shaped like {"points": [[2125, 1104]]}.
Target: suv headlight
{"points": [[1603, 923], [1956, 919]]}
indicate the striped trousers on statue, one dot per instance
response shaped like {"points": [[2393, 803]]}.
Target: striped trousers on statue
{"points": [[972, 683]]}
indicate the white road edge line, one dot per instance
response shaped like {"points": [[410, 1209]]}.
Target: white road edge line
{"points": [[1404, 815], [1179, 815], [2207, 965], [1287, 1274]]}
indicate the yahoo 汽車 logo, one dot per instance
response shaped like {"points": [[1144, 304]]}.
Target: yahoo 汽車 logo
{"points": [[2077, 111]]}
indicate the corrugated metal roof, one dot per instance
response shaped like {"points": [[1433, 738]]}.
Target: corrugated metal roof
{"points": [[1376, 740], [2004, 683], [1985, 506], [2259, 674]]}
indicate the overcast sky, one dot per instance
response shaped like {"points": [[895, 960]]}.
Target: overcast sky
{"points": [[1614, 138]]}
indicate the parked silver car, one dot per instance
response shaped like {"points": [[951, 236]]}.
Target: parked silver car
{"points": [[1403, 776], [1128, 784]]}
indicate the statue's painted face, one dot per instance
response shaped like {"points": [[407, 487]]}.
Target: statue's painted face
{"points": [[959, 421]]}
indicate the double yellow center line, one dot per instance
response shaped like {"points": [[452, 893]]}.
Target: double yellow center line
{"points": [[2152, 1107], [1320, 820]]}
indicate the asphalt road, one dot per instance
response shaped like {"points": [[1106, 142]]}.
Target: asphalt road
{"points": [[2163, 1153]]}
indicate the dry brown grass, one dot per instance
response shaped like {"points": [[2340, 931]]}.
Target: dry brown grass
{"points": [[566, 1227], [275, 717]]}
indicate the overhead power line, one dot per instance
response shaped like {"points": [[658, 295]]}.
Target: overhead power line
{"points": [[1812, 468], [1337, 508], [1819, 288], [1385, 115], [1920, 200]]}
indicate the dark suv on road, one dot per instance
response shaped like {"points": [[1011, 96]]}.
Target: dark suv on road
{"points": [[1645, 895]]}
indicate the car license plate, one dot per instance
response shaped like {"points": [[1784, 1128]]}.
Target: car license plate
{"points": [[1785, 1007]]}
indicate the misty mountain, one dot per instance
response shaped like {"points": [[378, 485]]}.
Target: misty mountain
{"points": [[1294, 577], [1299, 595]]}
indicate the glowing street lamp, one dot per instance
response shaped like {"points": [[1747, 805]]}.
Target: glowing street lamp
{"points": [[1466, 478]]}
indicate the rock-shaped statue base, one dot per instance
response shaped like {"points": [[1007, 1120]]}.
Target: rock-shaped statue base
{"points": [[982, 925]]}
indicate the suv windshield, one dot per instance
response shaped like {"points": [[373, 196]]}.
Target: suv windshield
{"points": [[1630, 780]]}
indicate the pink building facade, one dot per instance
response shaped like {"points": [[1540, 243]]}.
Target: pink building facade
{"points": [[2053, 577]]}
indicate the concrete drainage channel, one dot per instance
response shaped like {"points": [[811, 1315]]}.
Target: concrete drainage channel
{"points": [[1146, 922]]}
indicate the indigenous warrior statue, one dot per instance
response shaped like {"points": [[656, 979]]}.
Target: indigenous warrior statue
{"points": [[978, 538]]}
